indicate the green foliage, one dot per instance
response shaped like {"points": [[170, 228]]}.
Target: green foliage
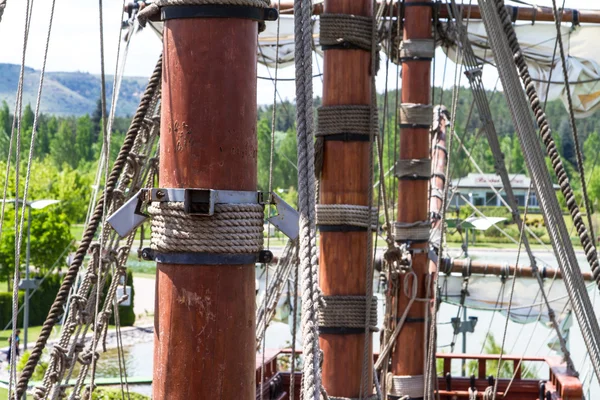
{"points": [[40, 302], [40, 368], [6, 309], [103, 393], [126, 313], [115, 394], [50, 235]]}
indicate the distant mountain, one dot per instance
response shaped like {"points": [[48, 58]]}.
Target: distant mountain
{"points": [[69, 93]]}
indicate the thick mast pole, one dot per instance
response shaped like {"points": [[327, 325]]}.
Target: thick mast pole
{"points": [[409, 357], [204, 337], [344, 180]]}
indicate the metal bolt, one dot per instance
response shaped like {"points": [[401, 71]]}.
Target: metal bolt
{"points": [[160, 194]]}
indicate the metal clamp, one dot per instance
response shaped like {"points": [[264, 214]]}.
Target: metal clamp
{"points": [[201, 202]]}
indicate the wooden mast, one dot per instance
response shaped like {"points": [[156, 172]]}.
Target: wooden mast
{"points": [[531, 14], [344, 180], [409, 357], [204, 323]]}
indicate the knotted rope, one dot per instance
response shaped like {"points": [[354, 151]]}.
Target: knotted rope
{"points": [[234, 228]]}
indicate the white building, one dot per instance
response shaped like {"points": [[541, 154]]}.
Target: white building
{"points": [[477, 188]]}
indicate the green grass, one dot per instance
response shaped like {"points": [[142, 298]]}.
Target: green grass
{"points": [[32, 334]]}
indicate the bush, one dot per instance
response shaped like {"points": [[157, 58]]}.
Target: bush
{"points": [[6, 308], [40, 368], [126, 313], [114, 394]]}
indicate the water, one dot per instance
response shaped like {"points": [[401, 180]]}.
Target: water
{"points": [[530, 339]]}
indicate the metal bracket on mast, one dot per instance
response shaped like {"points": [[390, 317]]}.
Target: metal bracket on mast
{"points": [[201, 202]]}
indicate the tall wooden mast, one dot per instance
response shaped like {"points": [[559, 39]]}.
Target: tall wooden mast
{"points": [[409, 357], [204, 323], [344, 180]]}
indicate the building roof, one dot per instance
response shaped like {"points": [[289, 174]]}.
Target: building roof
{"points": [[474, 181]]}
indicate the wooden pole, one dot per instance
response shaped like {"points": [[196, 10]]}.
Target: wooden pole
{"points": [[204, 336], [409, 357], [485, 268], [344, 180], [541, 14]]}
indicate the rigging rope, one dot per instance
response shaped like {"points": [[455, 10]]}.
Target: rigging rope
{"points": [[579, 156], [506, 49], [56, 309], [311, 378], [474, 74]]}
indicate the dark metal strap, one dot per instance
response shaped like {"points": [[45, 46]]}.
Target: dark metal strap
{"points": [[207, 258], [219, 11]]}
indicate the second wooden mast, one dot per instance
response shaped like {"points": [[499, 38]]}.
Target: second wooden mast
{"points": [[344, 181], [408, 361]]}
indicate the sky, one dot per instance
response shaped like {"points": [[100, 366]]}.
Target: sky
{"points": [[75, 44]]}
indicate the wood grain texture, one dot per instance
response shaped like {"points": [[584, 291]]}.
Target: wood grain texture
{"points": [[345, 180], [409, 356], [204, 322]]}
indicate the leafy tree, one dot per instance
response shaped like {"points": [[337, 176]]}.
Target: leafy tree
{"points": [[63, 145], [84, 139], [50, 235]]}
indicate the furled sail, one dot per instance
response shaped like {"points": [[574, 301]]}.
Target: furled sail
{"points": [[538, 45]]}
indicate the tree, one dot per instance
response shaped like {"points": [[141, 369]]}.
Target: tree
{"points": [[84, 139], [63, 145], [50, 235]]}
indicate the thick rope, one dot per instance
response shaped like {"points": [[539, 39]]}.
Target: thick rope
{"points": [[415, 114], [506, 49], [336, 29], [311, 377], [341, 120], [366, 385], [347, 214], [57, 307], [413, 231], [347, 312], [411, 386], [234, 228]]}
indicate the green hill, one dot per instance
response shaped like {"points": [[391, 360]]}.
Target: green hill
{"points": [[69, 93]]}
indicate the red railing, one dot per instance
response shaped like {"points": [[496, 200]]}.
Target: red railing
{"points": [[560, 383]]}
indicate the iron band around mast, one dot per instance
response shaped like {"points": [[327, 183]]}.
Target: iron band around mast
{"points": [[219, 11]]}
